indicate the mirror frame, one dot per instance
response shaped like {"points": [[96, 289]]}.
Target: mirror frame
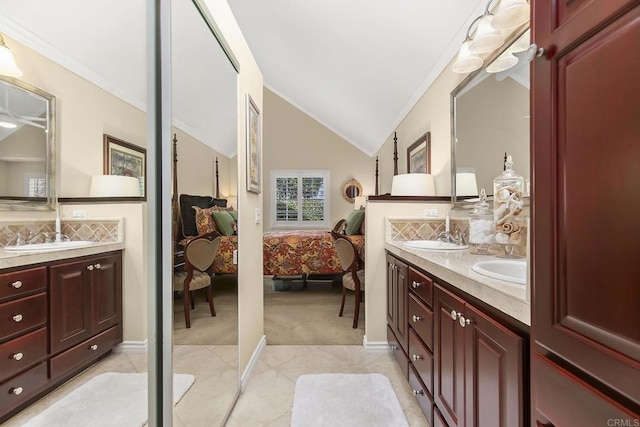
{"points": [[467, 202], [50, 162], [348, 186]]}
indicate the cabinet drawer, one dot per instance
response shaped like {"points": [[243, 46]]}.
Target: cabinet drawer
{"points": [[421, 285], [422, 360], [21, 352], [421, 320], [21, 315], [22, 282], [425, 401], [84, 353], [17, 390], [401, 358], [564, 399]]}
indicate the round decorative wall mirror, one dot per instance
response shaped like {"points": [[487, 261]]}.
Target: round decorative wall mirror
{"points": [[351, 190]]}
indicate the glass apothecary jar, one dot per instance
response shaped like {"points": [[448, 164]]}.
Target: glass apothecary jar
{"points": [[508, 212], [481, 228]]}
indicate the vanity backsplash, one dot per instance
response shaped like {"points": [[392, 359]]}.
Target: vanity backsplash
{"points": [[104, 230], [429, 229]]}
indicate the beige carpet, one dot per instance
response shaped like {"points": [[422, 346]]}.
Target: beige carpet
{"points": [[305, 317]]}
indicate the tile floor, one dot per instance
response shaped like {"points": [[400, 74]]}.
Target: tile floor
{"points": [[268, 398]]}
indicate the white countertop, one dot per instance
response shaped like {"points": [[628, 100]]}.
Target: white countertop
{"points": [[454, 267], [19, 259]]}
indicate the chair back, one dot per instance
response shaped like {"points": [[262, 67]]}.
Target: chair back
{"points": [[201, 251], [347, 252]]}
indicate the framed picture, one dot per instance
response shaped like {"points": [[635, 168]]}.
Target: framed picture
{"points": [[419, 155], [125, 159], [253, 147]]}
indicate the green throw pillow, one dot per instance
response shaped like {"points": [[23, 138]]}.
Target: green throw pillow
{"points": [[224, 221], [234, 214], [354, 220]]}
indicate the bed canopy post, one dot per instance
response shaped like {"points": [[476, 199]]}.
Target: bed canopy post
{"points": [[377, 192], [217, 180], [395, 154], [175, 207]]}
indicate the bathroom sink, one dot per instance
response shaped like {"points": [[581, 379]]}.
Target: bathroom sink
{"points": [[52, 246], [514, 271], [434, 245]]}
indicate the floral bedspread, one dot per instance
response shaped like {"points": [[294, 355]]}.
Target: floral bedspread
{"points": [[288, 253]]}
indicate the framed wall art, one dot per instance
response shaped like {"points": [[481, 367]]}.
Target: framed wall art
{"points": [[254, 174], [125, 159], [419, 155]]}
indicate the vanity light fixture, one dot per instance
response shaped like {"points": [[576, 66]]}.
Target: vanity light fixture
{"points": [[7, 121], [511, 14], [8, 65], [503, 62]]}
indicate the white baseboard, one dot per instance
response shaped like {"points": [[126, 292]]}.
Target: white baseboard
{"points": [[375, 345], [246, 375], [132, 347]]}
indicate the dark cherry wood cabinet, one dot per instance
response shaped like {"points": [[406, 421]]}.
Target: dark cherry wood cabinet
{"points": [[586, 182], [55, 320], [397, 297]]}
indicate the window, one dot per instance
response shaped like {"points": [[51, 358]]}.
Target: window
{"points": [[36, 185], [300, 198]]}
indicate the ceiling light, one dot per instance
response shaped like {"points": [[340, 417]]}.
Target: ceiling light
{"points": [[8, 65], [522, 44], [7, 121], [486, 38], [502, 62], [467, 61], [511, 13]]}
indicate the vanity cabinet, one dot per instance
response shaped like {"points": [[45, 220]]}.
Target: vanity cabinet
{"points": [[466, 363], [397, 297], [55, 320]]}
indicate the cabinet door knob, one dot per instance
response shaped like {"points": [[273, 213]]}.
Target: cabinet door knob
{"points": [[416, 357], [17, 390], [416, 318], [17, 284], [17, 356], [464, 322], [455, 315], [418, 393], [394, 348], [17, 318], [90, 267], [415, 284], [98, 266], [94, 347]]}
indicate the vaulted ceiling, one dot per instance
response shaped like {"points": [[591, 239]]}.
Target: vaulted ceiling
{"points": [[357, 67]]}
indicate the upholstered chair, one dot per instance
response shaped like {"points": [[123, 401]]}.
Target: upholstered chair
{"points": [[199, 254], [353, 278]]}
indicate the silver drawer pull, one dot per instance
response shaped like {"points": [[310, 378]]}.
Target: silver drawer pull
{"points": [[455, 315], [418, 393], [17, 356], [94, 347], [17, 318], [415, 284], [416, 318], [416, 357], [464, 322], [17, 284], [16, 390], [90, 267], [393, 347], [98, 266]]}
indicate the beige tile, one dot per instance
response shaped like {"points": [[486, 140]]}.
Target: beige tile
{"points": [[139, 361], [410, 406], [228, 353], [199, 361], [388, 368], [315, 362], [355, 355], [207, 401], [283, 421], [275, 355]]}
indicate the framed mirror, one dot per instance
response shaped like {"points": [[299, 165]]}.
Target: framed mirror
{"points": [[351, 190], [490, 120], [27, 146]]}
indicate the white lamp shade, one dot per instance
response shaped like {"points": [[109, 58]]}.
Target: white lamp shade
{"points": [[466, 184], [486, 38], [359, 202], [232, 202], [503, 62], [413, 184], [511, 13], [114, 186], [8, 65], [466, 61]]}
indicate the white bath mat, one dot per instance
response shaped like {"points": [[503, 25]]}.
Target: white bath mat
{"points": [[346, 400], [111, 399]]}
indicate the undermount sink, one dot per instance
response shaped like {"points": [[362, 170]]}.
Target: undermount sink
{"points": [[52, 246], [434, 245], [514, 271]]}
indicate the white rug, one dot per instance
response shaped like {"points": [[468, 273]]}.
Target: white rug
{"points": [[111, 399], [346, 400]]}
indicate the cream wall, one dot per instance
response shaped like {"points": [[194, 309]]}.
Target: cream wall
{"points": [[431, 113], [293, 140]]}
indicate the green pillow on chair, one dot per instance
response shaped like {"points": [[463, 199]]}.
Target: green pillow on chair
{"points": [[225, 222], [354, 221]]}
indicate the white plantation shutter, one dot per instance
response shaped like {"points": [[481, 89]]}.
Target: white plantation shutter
{"points": [[300, 198]]}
